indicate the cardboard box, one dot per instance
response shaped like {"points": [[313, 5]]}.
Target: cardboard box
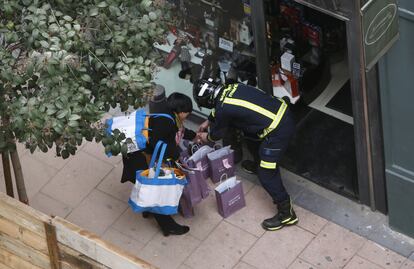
{"points": [[287, 60]]}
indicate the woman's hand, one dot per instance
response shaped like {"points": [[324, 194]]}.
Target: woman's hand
{"points": [[203, 127], [202, 137]]}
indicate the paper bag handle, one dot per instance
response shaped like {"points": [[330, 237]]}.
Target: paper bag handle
{"points": [[223, 175], [188, 170]]}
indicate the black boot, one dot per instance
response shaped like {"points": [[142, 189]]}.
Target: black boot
{"points": [[146, 214], [169, 226], [285, 216], [249, 166]]}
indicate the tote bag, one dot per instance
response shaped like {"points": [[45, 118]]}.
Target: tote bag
{"points": [[154, 192]]}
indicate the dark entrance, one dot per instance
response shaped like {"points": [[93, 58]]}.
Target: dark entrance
{"points": [[323, 149]]}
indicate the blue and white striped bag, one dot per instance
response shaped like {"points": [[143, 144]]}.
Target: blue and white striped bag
{"points": [[134, 126], [157, 194]]}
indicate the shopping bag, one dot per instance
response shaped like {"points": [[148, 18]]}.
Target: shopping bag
{"points": [[197, 187], [221, 162], [185, 206], [135, 128], [199, 161], [157, 190], [229, 196]]}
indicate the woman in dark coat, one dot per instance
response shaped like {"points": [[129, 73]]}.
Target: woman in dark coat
{"points": [[179, 106]]}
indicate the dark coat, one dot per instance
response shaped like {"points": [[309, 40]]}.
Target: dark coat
{"points": [[161, 128]]}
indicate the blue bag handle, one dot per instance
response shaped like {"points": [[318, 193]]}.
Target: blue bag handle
{"points": [[161, 115], [161, 156], [155, 153]]}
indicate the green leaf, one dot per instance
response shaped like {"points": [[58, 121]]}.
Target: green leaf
{"points": [[67, 18], [86, 77], [102, 4], [124, 149], [44, 44], [115, 149], [93, 12], [121, 137], [119, 65], [74, 117], [73, 123], [62, 114], [108, 149], [59, 104], [65, 154], [71, 33], [33, 148], [50, 111], [152, 16], [51, 70], [100, 52]]}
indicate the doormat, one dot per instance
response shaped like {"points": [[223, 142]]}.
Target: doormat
{"points": [[342, 100], [323, 151]]}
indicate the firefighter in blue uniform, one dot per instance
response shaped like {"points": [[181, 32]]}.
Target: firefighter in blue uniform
{"points": [[259, 115]]}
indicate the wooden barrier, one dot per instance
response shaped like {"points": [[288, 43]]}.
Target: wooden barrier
{"points": [[31, 239]]}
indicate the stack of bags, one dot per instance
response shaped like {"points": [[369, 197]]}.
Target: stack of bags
{"points": [[201, 162]]}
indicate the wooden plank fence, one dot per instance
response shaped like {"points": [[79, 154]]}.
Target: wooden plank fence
{"points": [[31, 239]]}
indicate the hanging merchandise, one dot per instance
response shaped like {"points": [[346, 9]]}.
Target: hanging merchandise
{"points": [[245, 36]]}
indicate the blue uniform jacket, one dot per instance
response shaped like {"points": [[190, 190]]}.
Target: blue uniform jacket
{"points": [[247, 108]]}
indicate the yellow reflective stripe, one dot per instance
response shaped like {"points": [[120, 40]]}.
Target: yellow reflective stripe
{"points": [[267, 165], [233, 90], [213, 113], [248, 105], [276, 120], [225, 91]]}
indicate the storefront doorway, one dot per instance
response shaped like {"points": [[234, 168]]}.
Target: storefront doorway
{"points": [[308, 50]]}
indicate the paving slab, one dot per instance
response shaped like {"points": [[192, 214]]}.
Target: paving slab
{"points": [[408, 264], [333, 247], [136, 227], [243, 265], [77, 179], [361, 263], [169, 252], [381, 256], [205, 220], [97, 212], [50, 206], [51, 159], [183, 266], [309, 221], [278, 249], [36, 174], [112, 185], [301, 264], [98, 150], [223, 248], [127, 243], [259, 206]]}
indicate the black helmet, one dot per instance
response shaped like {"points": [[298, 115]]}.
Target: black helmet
{"points": [[205, 92]]}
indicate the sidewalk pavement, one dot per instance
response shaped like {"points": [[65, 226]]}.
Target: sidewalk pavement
{"points": [[86, 190]]}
